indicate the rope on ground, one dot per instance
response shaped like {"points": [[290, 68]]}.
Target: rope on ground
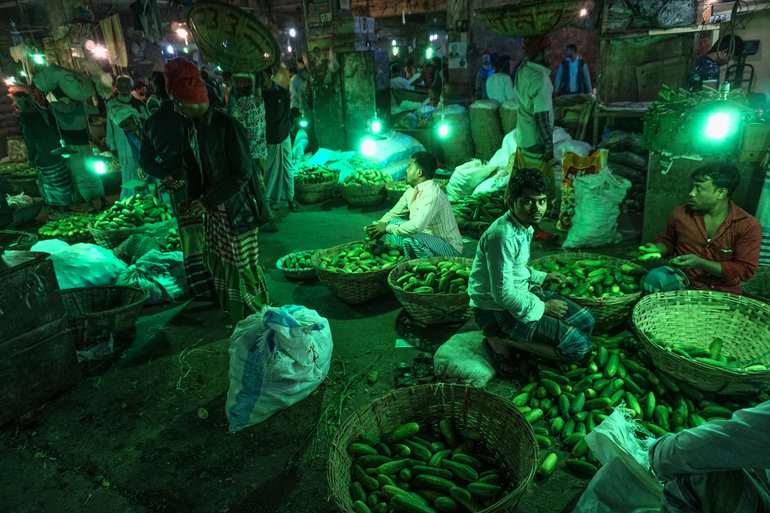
{"points": [[183, 363]]}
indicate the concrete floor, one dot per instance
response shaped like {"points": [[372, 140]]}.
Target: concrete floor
{"points": [[129, 438]]}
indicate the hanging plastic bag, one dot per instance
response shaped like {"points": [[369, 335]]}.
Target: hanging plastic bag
{"points": [[278, 357], [623, 483], [597, 207]]}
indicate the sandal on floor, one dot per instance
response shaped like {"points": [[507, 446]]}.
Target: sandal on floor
{"points": [[501, 363]]}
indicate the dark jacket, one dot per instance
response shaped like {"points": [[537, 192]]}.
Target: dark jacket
{"points": [[163, 142], [225, 174], [40, 137], [277, 114], [583, 87]]}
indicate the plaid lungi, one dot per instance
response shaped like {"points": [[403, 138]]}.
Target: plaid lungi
{"points": [[737, 491], [55, 184], [233, 260], [419, 245], [570, 336], [191, 238]]}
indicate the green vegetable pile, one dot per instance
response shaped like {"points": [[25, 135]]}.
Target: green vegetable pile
{"points": [[710, 356], [480, 210], [363, 258], [413, 471], [440, 278], [131, 212], [592, 278], [70, 226], [366, 177], [316, 174], [171, 241], [565, 403], [18, 168], [299, 261]]}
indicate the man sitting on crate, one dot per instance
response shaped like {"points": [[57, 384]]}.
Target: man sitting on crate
{"points": [[714, 243], [506, 295], [431, 228]]}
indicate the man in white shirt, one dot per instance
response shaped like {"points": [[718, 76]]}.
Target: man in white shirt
{"points": [[533, 91], [507, 296], [707, 468], [397, 81], [422, 223], [500, 85]]}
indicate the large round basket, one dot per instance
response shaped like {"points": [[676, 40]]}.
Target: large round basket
{"points": [[363, 195], [530, 18], [507, 437], [16, 241], [27, 184], [111, 239], [431, 309], [608, 312], [314, 192], [351, 288], [695, 318], [296, 274], [95, 313], [759, 286]]}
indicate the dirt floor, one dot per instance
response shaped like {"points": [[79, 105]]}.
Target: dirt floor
{"points": [[130, 437]]}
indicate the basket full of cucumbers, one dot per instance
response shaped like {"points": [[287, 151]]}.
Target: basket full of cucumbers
{"points": [[433, 448], [433, 290], [357, 271], [609, 286], [365, 188], [315, 184], [297, 265], [134, 215]]}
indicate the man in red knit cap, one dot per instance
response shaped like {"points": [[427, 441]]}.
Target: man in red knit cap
{"points": [[224, 188], [533, 92]]}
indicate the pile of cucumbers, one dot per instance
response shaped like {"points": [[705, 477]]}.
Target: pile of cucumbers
{"points": [[481, 208], [71, 226], [299, 261], [364, 257], [592, 278], [314, 175], [710, 356], [440, 278], [18, 168], [566, 403], [133, 211], [411, 470], [172, 242], [366, 177]]}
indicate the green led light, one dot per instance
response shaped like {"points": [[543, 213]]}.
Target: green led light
{"points": [[186, 49], [395, 51], [376, 126], [38, 58], [719, 125], [303, 122], [429, 53], [443, 129], [368, 147]]}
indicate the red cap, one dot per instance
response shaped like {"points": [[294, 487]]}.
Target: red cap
{"points": [[184, 82]]}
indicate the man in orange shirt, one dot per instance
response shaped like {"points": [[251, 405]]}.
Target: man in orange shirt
{"points": [[713, 243]]}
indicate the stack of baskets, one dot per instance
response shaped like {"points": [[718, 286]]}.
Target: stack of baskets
{"points": [[351, 288], [293, 273], [96, 313], [429, 309], [486, 130], [507, 437], [695, 318], [759, 286], [111, 239], [363, 195], [608, 312]]}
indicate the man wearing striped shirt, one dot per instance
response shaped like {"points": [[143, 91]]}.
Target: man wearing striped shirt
{"points": [[422, 223]]}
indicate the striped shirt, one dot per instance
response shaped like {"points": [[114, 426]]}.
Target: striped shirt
{"points": [[429, 212], [501, 278], [763, 214]]}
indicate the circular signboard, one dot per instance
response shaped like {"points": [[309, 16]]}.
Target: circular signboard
{"points": [[232, 38]]}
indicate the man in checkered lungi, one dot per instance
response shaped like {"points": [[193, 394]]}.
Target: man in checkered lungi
{"points": [[507, 296], [223, 187]]}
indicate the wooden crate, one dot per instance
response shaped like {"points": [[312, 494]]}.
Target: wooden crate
{"points": [[35, 367]]}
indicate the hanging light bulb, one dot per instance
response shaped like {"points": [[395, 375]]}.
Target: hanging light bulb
{"points": [[395, 51], [170, 49], [288, 49], [583, 12], [292, 33], [100, 52]]}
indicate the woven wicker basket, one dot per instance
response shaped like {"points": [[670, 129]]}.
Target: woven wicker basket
{"points": [[509, 114], [27, 184], [608, 312], [695, 317], [111, 239], [431, 309], [531, 18], [486, 130], [363, 195], [314, 192], [507, 436], [296, 274], [95, 313], [351, 288], [21, 241], [759, 286]]}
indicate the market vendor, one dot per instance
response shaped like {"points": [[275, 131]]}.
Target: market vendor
{"points": [[708, 468], [223, 189], [713, 243], [422, 223], [509, 303]]}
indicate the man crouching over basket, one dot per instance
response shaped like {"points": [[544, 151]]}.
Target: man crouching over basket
{"points": [[509, 303]]}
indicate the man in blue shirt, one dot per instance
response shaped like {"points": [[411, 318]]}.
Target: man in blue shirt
{"points": [[572, 77], [705, 71]]}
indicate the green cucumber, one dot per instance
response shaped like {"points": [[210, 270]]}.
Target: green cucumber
{"points": [[401, 432], [548, 466]]}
